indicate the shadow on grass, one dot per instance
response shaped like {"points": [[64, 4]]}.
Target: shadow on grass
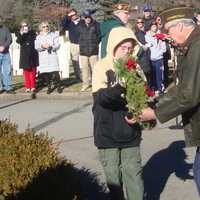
{"points": [[18, 82], [67, 82], [64, 182], [161, 165]]}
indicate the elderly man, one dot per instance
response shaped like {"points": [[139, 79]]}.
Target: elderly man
{"points": [[184, 98], [121, 15]]}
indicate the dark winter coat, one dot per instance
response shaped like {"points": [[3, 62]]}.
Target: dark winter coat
{"points": [[109, 108], [147, 23], [184, 98], [89, 38], [28, 54], [143, 55]]}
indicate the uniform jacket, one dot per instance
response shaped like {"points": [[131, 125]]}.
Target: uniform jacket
{"points": [[28, 54], [89, 38], [185, 97], [48, 60], [109, 108], [105, 28]]}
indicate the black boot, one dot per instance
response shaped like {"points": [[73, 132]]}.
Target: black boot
{"points": [[49, 89], [59, 89]]}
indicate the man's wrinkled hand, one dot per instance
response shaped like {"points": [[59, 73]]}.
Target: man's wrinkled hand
{"points": [[147, 114]]}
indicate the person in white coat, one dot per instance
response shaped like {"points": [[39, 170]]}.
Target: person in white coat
{"points": [[47, 44]]}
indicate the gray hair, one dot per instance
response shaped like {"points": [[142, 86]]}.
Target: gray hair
{"points": [[185, 22], [44, 23]]}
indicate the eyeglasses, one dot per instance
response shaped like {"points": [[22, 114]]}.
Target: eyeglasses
{"points": [[140, 22], [126, 48]]}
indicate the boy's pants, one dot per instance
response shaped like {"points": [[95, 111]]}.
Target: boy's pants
{"points": [[123, 169]]}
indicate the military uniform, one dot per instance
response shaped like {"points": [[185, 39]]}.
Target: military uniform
{"points": [[184, 98]]}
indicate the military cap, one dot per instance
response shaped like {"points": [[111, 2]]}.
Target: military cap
{"points": [[122, 7], [172, 14]]}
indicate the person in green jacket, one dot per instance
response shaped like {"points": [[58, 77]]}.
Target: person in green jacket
{"points": [[184, 98], [121, 15]]}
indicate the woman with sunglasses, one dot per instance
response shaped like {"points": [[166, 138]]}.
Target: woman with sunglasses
{"points": [[47, 44], [28, 55], [144, 52]]}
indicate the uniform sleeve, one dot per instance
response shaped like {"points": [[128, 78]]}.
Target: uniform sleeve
{"points": [[186, 94]]}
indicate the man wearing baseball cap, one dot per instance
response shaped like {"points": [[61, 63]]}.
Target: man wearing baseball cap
{"points": [[183, 98], [148, 16], [121, 15], [89, 39]]}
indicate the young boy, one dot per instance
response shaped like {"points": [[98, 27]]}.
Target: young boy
{"points": [[116, 137]]}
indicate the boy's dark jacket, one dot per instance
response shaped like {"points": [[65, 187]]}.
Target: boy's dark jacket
{"points": [[109, 108]]}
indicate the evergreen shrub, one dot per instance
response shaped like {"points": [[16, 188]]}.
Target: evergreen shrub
{"points": [[30, 165]]}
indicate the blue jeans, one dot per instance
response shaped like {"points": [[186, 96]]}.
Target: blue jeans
{"points": [[196, 169], [158, 74], [123, 169], [5, 69]]}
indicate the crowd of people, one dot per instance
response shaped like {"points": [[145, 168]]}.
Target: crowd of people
{"points": [[86, 36], [116, 136]]}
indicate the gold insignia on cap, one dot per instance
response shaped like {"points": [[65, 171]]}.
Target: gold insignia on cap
{"points": [[122, 6], [176, 13], [175, 17]]}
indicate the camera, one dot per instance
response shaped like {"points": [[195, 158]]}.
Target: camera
{"points": [[49, 50]]}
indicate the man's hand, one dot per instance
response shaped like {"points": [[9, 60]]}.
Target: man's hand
{"points": [[147, 114], [2, 48]]}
